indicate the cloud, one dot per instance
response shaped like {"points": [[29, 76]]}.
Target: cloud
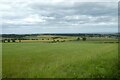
{"points": [[53, 15]]}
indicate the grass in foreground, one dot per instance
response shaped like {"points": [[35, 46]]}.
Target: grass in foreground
{"points": [[0, 60], [60, 60]]}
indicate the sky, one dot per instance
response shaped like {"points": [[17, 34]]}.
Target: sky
{"points": [[58, 16]]}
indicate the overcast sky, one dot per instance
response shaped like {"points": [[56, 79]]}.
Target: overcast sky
{"points": [[58, 16]]}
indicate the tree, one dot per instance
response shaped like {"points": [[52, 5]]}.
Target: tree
{"points": [[78, 39], [13, 40], [3, 41], [8, 40], [84, 38], [53, 41], [57, 40], [19, 40]]}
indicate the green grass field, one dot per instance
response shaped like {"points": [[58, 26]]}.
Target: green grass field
{"points": [[0, 60], [60, 60]]}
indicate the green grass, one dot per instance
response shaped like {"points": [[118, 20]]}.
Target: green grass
{"points": [[60, 60], [0, 60]]}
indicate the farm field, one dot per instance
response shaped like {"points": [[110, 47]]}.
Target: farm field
{"points": [[73, 59], [0, 60]]}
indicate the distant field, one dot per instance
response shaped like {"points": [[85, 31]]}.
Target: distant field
{"points": [[58, 38], [60, 60]]}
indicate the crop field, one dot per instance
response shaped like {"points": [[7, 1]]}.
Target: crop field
{"points": [[73, 59], [0, 60]]}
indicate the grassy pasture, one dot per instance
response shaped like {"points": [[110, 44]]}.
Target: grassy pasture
{"points": [[60, 60], [0, 60]]}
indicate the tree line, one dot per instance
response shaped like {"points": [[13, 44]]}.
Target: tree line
{"points": [[9, 40], [18, 36]]}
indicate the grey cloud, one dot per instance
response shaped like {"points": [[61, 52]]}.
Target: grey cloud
{"points": [[55, 15], [87, 8], [59, 11]]}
